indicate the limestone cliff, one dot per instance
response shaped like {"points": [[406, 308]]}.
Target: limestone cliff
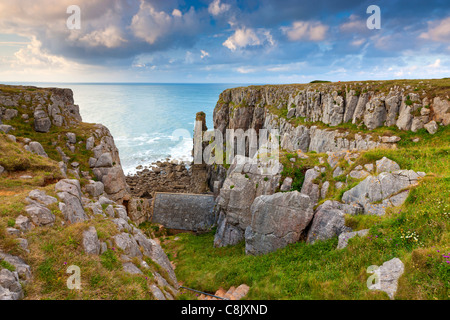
{"points": [[64, 200], [337, 121]]}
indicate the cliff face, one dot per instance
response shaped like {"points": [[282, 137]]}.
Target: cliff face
{"points": [[339, 119], [49, 114], [305, 115], [61, 182], [372, 104]]}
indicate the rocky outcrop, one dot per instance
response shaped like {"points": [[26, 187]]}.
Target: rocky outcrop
{"points": [[277, 220], [243, 184], [376, 193], [332, 104], [69, 191]]}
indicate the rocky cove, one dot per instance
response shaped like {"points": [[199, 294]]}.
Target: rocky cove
{"points": [[77, 187]]}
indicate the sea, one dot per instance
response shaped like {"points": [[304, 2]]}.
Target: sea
{"points": [[149, 122]]}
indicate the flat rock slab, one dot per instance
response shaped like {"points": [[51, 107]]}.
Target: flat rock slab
{"points": [[184, 211]]}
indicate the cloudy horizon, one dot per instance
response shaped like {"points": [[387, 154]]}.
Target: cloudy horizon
{"points": [[222, 41]]}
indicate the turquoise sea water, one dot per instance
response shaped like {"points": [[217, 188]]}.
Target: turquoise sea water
{"points": [[145, 118]]}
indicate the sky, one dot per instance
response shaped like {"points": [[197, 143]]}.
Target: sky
{"points": [[222, 41]]}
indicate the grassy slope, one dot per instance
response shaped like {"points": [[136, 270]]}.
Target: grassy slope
{"points": [[319, 271]]}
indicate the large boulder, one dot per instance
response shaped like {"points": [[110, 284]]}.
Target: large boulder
{"points": [[328, 222], [376, 193], [91, 244], [40, 215], [37, 148], [10, 287], [42, 122], [277, 220], [69, 191], [309, 187], [128, 244], [387, 277], [243, 184]]}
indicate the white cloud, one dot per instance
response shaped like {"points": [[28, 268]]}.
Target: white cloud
{"points": [[204, 54], [245, 70], [245, 37], [436, 64], [358, 42], [176, 13], [109, 37], [355, 23], [216, 8], [438, 31], [303, 30]]}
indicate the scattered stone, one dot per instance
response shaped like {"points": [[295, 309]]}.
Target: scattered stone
{"points": [[388, 275], [129, 267], [337, 172], [13, 231], [386, 165], [40, 215], [37, 148], [369, 167], [11, 138], [95, 188], [128, 244], [324, 190], [91, 244], [5, 128], [71, 137], [41, 197], [287, 183], [23, 223], [391, 139], [431, 127], [345, 236]]}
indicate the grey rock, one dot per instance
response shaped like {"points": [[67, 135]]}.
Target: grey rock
{"points": [[37, 148], [431, 127], [72, 137], [22, 269], [324, 190], [277, 220], [345, 236], [154, 251], [91, 243], [2, 169], [95, 188], [328, 222], [129, 267], [376, 194], [105, 160], [5, 128], [13, 231], [41, 197], [10, 287], [309, 188], [42, 122], [128, 244], [11, 138], [40, 215], [388, 274], [110, 211], [23, 223], [386, 165], [287, 183], [337, 172], [90, 143], [104, 200], [122, 224], [157, 293], [10, 114]]}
